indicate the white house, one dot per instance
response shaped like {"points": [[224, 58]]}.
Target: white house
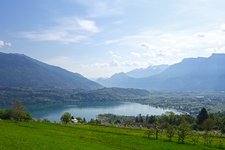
{"points": [[74, 120]]}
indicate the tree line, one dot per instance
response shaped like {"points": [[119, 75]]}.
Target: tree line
{"points": [[16, 112]]}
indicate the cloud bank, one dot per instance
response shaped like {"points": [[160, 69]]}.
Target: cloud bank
{"points": [[66, 30]]}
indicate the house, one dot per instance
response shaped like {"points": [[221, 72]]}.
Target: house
{"points": [[74, 120]]}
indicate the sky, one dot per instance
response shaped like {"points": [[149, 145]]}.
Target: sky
{"points": [[98, 38]]}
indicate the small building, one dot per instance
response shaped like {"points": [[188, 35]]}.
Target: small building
{"points": [[74, 120]]}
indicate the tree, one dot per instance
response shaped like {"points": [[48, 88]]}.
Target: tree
{"points": [[202, 116], [5, 114], [152, 119], [170, 131], [79, 120], [208, 124], [150, 132], [157, 130], [84, 120], [66, 117], [183, 131], [140, 118], [18, 112]]}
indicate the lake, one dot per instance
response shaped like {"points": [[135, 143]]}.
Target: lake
{"points": [[89, 110]]}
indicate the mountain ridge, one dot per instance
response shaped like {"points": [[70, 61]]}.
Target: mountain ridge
{"points": [[190, 74], [19, 70]]}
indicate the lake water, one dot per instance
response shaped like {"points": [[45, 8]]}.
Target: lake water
{"points": [[90, 110]]}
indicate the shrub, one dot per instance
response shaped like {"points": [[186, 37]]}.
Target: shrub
{"points": [[170, 131], [5, 114], [66, 118], [183, 131], [18, 112]]}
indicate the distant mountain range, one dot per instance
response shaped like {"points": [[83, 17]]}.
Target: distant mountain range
{"points": [[116, 79], [191, 74], [147, 72], [17, 70]]}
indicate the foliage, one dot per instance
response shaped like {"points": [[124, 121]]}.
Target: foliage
{"points": [[150, 132], [170, 131], [215, 121], [18, 112], [5, 114], [195, 138], [207, 138], [202, 116], [183, 131], [157, 130], [94, 122], [66, 117], [208, 124]]}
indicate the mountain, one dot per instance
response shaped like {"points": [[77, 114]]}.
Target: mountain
{"points": [[204, 74], [17, 70], [116, 80], [147, 72], [125, 78]]}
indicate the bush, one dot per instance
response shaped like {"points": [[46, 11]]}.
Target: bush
{"points": [[170, 131], [5, 114], [66, 118], [182, 132], [195, 138], [207, 137], [18, 112]]}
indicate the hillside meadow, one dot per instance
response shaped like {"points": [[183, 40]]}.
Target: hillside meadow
{"points": [[39, 135]]}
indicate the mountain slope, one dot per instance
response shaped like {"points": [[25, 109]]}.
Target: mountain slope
{"points": [[18, 70], [192, 74], [147, 72], [116, 80], [189, 75], [126, 78]]}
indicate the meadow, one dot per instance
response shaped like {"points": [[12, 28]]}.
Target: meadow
{"points": [[38, 135]]}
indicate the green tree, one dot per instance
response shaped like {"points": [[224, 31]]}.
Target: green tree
{"points": [[5, 114], [157, 130], [183, 131], [202, 116], [84, 120], [66, 117], [18, 112], [208, 124], [170, 131], [79, 120], [152, 119], [150, 132]]}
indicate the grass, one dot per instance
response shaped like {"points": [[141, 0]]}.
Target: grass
{"points": [[36, 135]]}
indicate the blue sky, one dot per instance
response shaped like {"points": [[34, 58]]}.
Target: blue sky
{"points": [[98, 38]]}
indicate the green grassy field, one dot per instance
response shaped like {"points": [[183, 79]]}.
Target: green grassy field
{"points": [[34, 135]]}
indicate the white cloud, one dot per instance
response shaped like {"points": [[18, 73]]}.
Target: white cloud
{"points": [[102, 8], [88, 25], [222, 27], [3, 44], [66, 30], [135, 54], [168, 47], [100, 65]]}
